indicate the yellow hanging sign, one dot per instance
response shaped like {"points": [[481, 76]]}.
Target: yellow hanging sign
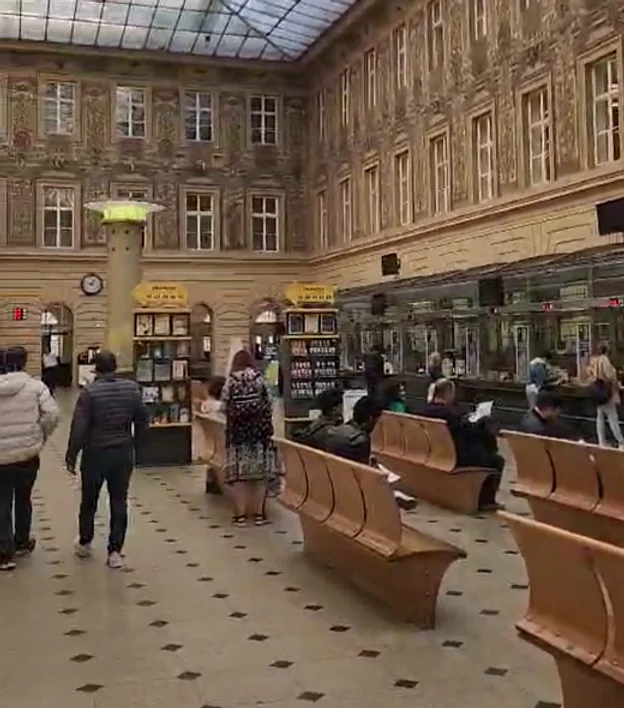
{"points": [[148, 294], [310, 294]]}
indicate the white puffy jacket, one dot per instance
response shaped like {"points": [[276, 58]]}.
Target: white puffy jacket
{"points": [[28, 415]]}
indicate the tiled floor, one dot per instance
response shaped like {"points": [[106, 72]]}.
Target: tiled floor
{"points": [[214, 617]]}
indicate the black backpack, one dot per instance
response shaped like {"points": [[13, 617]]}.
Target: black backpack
{"points": [[600, 392]]}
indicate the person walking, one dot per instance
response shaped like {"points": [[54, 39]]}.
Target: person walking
{"points": [[50, 368], [604, 388], [250, 458], [28, 416], [107, 413], [374, 369]]}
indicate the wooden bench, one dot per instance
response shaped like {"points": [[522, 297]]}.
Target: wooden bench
{"points": [[571, 485], [352, 524], [421, 450], [576, 610], [213, 452]]}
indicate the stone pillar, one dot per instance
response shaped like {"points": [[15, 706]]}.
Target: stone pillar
{"points": [[123, 222], [123, 274]]}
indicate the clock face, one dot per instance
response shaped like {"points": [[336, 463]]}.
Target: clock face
{"points": [[91, 284]]}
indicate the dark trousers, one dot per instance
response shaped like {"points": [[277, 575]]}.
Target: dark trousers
{"points": [[112, 465], [16, 483]]}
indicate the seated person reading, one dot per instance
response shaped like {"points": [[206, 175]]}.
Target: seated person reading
{"points": [[475, 445], [352, 440], [329, 402], [543, 419]]}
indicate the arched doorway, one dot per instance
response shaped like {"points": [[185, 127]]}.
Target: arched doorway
{"points": [[202, 345], [266, 328], [57, 338]]}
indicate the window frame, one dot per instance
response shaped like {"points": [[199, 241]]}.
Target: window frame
{"points": [[345, 97], [146, 110], [58, 101], [345, 188], [401, 63], [279, 219], [42, 188], [490, 146], [264, 114], [370, 72], [613, 100], [322, 215], [479, 20], [199, 111], [198, 214], [118, 191], [321, 106], [436, 51], [403, 182], [372, 197], [434, 168]]}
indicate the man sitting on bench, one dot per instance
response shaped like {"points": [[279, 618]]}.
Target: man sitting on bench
{"points": [[475, 444], [329, 402], [352, 440]]}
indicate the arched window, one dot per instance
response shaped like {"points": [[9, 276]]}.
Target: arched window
{"points": [[57, 329], [202, 344]]}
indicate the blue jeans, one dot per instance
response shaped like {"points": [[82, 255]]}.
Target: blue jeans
{"points": [[112, 465], [610, 412]]}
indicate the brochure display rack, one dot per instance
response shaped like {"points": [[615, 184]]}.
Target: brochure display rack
{"points": [[162, 344], [310, 361]]}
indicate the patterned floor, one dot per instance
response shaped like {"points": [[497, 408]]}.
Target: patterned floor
{"points": [[208, 616]]}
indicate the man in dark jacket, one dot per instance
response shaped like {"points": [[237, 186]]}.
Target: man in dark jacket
{"points": [[106, 413], [374, 369], [352, 440], [329, 402], [543, 419], [475, 446]]}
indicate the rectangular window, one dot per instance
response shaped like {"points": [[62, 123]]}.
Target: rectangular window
{"points": [[371, 190], [58, 217], [400, 55], [537, 136], [370, 61], [479, 19], [403, 187], [323, 220], [322, 115], [198, 116], [605, 110], [131, 114], [138, 194], [345, 97], [483, 141], [436, 35], [59, 106], [263, 116], [346, 211], [440, 169], [264, 223], [199, 222]]}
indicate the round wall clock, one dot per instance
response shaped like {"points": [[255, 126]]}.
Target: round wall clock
{"points": [[91, 284]]}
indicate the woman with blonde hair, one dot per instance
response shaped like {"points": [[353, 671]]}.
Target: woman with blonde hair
{"points": [[604, 389], [250, 459]]}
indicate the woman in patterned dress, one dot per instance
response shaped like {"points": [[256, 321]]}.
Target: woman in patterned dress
{"points": [[250, 460]]}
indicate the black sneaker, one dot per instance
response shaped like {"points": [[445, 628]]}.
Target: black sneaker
{"points": [[27, 549], [6, 564]]}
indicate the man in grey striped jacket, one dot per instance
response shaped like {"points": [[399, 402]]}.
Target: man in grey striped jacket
{"points": [[107, 412]]}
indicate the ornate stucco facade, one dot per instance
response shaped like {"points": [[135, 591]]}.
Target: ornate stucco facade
{"points": [[454, 132]]}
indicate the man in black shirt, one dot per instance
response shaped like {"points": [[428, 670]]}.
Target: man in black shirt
{"points": [[329, 402], [352, 440], [543, 419], [106, 414]]}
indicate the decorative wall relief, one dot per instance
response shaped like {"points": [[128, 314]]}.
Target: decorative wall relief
{"points": [[565, 90], [296, 222], [21, 203], [458, 156], [96, 119], [234, 122], [166, 122], [167, 229], [507, 148], [22, 115], [95, 188], [234, 220]]}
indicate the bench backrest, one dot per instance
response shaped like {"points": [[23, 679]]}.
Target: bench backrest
{"points": [[417, 443], [382, 526], [567, 608], [576, 477], [319, 503], [534, 467], [394, 437], [609, 563], [610, 465], [295, 490], [442, 455], [348, 514]]}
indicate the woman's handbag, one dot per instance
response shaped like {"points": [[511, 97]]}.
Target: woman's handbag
{"points": [[600, 392]]}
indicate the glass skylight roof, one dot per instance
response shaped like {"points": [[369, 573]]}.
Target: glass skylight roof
{"points": [[278, 30]]}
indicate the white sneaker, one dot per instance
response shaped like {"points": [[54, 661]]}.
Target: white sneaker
{"points": [[115, 561], [82, 550]]}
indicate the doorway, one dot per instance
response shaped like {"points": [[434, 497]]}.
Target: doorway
{"points": [[57, 339], [265, 334], [202, 344]]}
